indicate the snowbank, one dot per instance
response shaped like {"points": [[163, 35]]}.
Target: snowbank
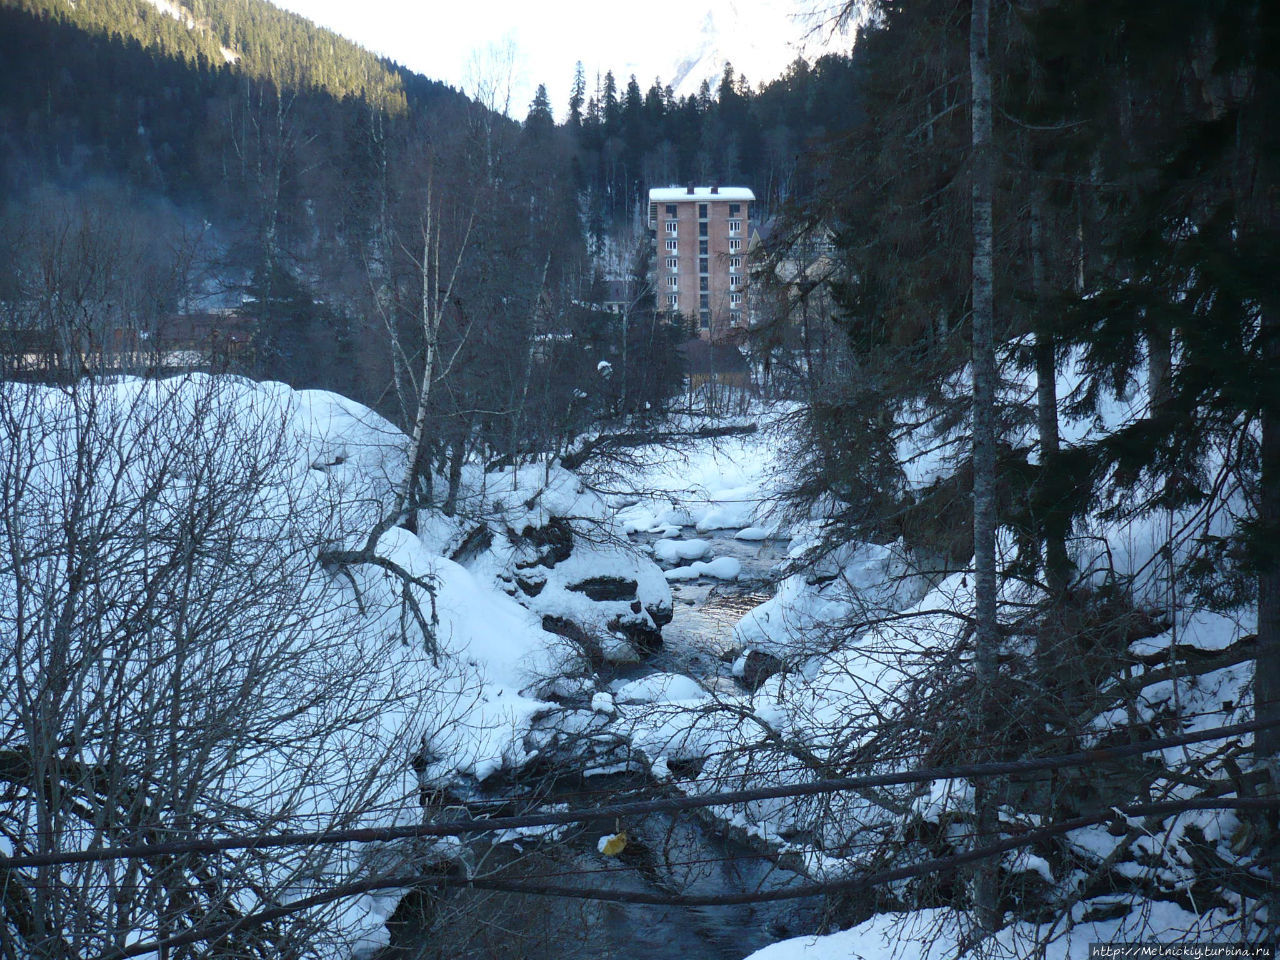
{"points": [[243, 488], [710, 484], [554, 546], [935, 934]]}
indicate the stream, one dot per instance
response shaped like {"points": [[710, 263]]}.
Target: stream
{"points": [[671, 855]]}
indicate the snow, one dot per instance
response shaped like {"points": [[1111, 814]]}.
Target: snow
{"points": [[619, 650], [329, 469], [602, 702], [721, 568], [670, 551], [660, 687], [268, 631], [854, 623], [935, 934], [518, 507], [724, 483], [863, 577], [681, 194], [477, 708]]}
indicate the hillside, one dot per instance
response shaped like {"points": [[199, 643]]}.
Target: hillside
{"points": [[245, 157], [252, 36]]}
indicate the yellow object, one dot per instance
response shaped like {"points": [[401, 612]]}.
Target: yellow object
{"points": [[612, 846]]}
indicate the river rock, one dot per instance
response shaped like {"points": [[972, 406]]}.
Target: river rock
{"points": [[721, 568], [673, 551], [556, 548], [660, 688], [754, 667], [608, 588]]}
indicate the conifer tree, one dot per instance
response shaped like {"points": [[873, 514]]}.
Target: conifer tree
{"points": [[577, 97], [539, 122]]}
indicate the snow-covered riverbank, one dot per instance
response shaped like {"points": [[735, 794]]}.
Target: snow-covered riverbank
{"points": [[674, 632]]}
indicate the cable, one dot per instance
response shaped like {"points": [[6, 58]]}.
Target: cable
{"points": [[634, 808], [936, 865]]}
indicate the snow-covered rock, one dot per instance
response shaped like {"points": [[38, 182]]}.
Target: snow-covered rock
{"points": [[660, 687], [721, 568], [556, 548], [672, 551]]}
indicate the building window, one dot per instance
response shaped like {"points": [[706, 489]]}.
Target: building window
{"points": [[673, 246], [735, 301], [735, 246], [704, 265], [671, 209], [734, 280], [735, 209], [735, 264], [702, 229], [702, 211], [702, 248], [704, 283], [673, 283], [704, 301], [673, 301], [671, 227], [704, 319], [673, 264], [735, 226]]}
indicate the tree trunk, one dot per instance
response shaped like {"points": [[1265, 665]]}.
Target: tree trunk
{"points": [[457, 458], [1057, 565], [1266, 683], [1159, 365], [984, 453]]}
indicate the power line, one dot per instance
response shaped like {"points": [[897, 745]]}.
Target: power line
{"points": [[864, 881], [633, 808]]}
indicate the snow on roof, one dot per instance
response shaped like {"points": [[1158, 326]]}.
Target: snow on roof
{"points": [[673, 194]]}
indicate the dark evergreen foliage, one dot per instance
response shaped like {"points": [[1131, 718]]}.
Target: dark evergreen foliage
{"points": [[627, 142], [260, 40], [299, 195]]}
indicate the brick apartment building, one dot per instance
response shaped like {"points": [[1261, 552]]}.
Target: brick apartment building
{"points": [[701, 236]]}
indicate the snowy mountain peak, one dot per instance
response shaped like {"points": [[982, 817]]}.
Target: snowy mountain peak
{"points": [[746, 34]]}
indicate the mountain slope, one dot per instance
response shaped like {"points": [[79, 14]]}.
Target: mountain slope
{"points": [[251, 36]]}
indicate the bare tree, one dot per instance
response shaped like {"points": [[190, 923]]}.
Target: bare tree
{"points": [[92, 278], [180, 665]]}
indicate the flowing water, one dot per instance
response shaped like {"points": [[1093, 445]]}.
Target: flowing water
{"points": [[673, 855], [705, 611]]}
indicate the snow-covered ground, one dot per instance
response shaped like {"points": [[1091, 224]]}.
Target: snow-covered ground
{"points": [[539, 583], [857, 626], [935, 934], [328, 660]]}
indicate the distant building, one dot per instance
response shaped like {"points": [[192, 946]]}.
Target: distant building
{"points": [[802, 269], [618, 296], [716, 362], [701, 257], [216, 340]]}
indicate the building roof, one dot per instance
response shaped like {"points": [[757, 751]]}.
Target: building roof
{"points": [[675, 194], [703, 356]]}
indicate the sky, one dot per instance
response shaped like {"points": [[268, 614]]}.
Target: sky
{"points": [[469, 44]]}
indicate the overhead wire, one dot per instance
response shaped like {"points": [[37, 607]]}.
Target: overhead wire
{"points": [[848, 884], [470, 825]]}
